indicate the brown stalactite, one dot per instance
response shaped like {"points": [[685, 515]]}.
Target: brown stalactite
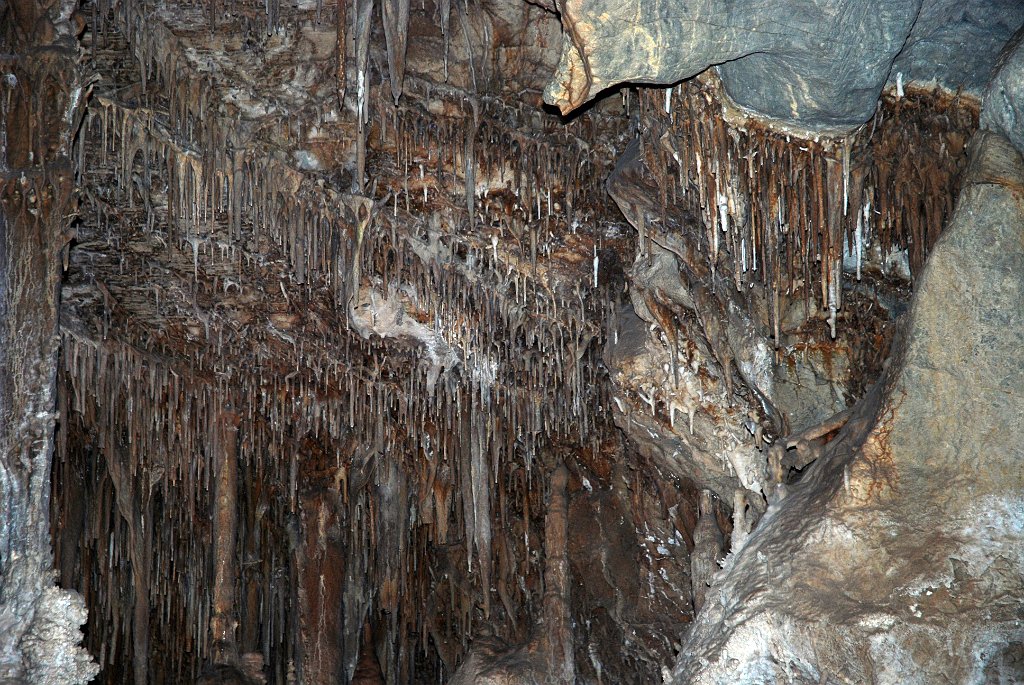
{"points": [[549, 656], [557, 586], [395, 18], [404, 361], [341, 51], [223, 442]]}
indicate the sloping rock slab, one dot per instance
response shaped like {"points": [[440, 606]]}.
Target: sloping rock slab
{"points": [[900, 556]]}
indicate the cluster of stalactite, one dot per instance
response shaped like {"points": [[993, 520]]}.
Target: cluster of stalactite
{"points": [[530, 172], [187, 283], [383, 359], [782, 211], [146, 462], [212, 285]]}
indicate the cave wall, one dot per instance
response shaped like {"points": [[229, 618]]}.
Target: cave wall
{"points": [[42, 95], [391, 387], [341, 299]]}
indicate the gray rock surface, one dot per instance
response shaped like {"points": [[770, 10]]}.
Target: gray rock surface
{"points": [[39, 624], [955, 42], [811, 391], [833, 57], [904, 539], [816, 64], [826, 64], [1003, 110]]}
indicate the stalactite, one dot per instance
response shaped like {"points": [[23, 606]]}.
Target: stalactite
{"points": [[341, 51], [395, 17], [362, 16], [237, 222], [781, 209]]}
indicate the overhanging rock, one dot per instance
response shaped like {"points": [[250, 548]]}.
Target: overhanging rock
{"points": [[816, 64], [903, 541]]}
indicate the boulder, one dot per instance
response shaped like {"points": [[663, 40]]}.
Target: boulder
{"points": [[955, 43]]}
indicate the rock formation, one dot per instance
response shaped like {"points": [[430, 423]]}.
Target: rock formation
{"points": [[901, 542], [331, 354], [816, 65], [43, 97]]}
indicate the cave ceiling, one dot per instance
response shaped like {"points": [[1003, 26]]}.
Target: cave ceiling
{"points": [[509, 342]]}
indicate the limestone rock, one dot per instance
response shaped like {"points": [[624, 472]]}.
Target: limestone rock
{"points": [[1004, 102], [826, 67], [831, 79], [956, 43], [817, 64], [51, 645], [903, 541]]}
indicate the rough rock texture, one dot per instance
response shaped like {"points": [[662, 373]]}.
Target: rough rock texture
{"points": [[830, 80], [51, 643], [828, 67], [820, 65], [699, 433], [955, 42], [1004, 101], [903, 541], [41, 97]]}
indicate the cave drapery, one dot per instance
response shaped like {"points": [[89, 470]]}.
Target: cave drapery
{"points": [[331, 353]]}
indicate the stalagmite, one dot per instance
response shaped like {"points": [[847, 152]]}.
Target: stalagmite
{"points": [[707, 550], [549, 656], [557, 619]]}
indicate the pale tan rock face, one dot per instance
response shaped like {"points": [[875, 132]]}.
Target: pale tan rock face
{"points": [[904, 540]]}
